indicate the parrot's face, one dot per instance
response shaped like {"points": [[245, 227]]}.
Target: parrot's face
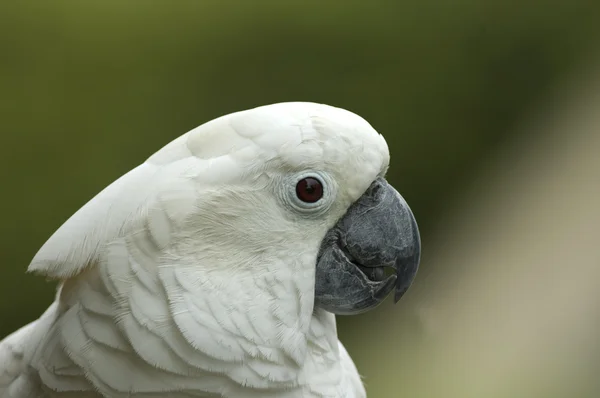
{"points": [[298, 205], [216, 266]]}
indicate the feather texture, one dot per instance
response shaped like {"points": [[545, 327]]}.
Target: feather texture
{"points": [[191, 277]]}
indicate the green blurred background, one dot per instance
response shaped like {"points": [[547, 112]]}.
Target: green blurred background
{"points": [[88, 90]]}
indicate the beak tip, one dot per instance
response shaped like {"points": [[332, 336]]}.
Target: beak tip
{"points": [[398, 295]]}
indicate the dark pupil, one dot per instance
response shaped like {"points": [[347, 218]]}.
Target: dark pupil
{"points": [[309, 190]]}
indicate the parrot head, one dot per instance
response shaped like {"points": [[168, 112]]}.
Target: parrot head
{"points": [[304, 183], [281, 201], [218, 264]]}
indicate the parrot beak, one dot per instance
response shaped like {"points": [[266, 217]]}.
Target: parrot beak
{"points": [[378, 233]]}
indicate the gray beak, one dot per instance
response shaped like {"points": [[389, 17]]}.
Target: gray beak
{"points": [[377, 233]]}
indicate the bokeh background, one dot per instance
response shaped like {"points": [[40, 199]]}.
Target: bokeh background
{"points": [[489, 108]]}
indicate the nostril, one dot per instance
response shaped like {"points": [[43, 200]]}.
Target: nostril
{"points": [[375, 188]]}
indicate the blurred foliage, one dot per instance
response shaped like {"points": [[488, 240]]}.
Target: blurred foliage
{"points": [[89, 90]]}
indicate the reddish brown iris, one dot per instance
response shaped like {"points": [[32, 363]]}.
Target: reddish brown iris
{"points": [[309, 190]]}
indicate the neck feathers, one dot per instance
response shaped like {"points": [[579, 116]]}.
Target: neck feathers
{"points": [[132, 324]]}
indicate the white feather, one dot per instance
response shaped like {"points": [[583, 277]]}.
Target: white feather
{"points": [[191, 275]]}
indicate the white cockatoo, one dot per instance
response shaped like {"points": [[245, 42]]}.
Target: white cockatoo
{"points": [[216, 268]]}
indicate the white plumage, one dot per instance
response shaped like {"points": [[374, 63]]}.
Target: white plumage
{"points": [[193, 274]]}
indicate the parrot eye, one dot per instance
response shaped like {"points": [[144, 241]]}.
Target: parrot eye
{"points": [[309, 190]]}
